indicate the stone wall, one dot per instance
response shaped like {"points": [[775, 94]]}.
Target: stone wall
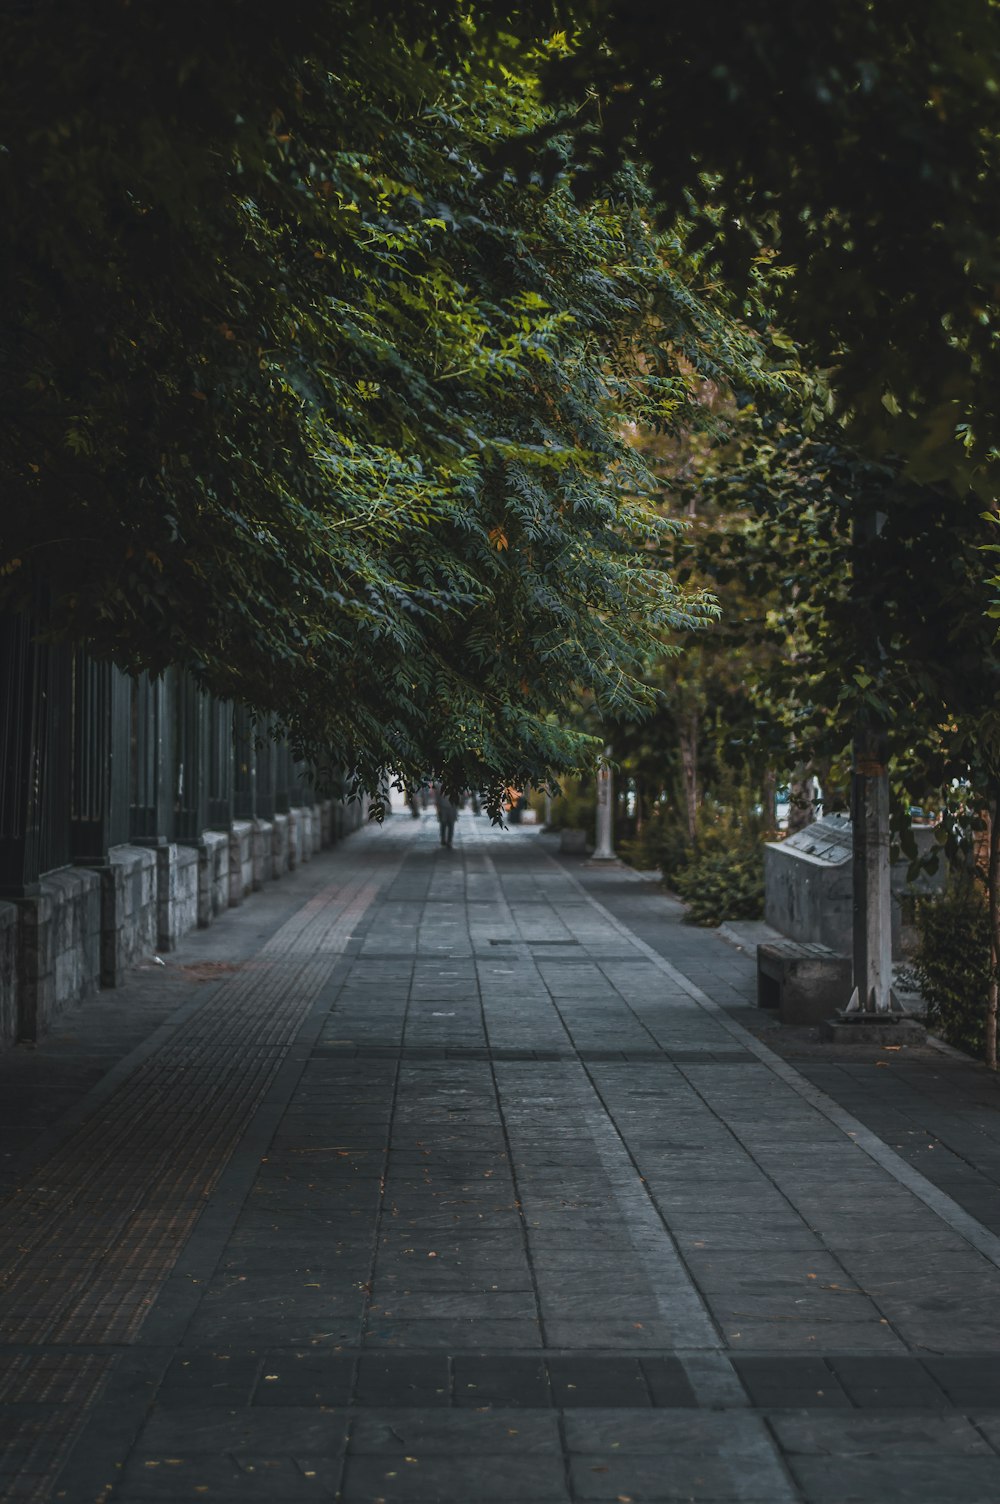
{"points": [[128, 911], [213, 876], [326, 822], [294, 838], [59, 948], [262, 847], [176, 893], [279, 838], [87, 927], [240, 872]]}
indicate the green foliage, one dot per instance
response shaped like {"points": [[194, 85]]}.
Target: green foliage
{"points": [[660, 845], [310, 392], [722, 875], [857, 144], [952, 963], [575, 808]]}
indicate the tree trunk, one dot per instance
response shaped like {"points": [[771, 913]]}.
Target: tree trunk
{"points": [[993, 885], [768, 795], [689, 765]]}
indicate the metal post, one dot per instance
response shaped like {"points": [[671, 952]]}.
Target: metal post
{"points": [[604, 851], [35, 717], [99, 789], [871, 871], [872, 897]]}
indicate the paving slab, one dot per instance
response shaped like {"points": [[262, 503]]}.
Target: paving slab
{"points": [[475, 1174]]}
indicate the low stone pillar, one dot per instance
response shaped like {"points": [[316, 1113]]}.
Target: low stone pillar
{"points": [[280, 839], [59, 948], [176, 893], [262, 848], [316, 828], [294, 837], [128, 911], [240, 861], [326, 822], [213, 876], [8, 975]]}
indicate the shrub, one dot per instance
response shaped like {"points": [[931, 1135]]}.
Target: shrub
{"points": [[662, 843], [724, 884], [952, 963], [723, 875], [576, 807]]}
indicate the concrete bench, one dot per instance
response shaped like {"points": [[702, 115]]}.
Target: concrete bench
{"points": [[804, 981]]}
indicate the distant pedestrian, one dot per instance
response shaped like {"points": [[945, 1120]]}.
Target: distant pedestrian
{"points": [[447, 815]]}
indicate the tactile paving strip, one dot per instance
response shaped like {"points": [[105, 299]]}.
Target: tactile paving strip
{"points": [[53, 1392], [125, 1191], [86, 1245]]}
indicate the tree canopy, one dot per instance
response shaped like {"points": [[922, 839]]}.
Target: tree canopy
{"points": [[859, 146], [308, 391]]}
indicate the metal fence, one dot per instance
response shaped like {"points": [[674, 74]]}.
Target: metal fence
{"points": [[90, 759]]}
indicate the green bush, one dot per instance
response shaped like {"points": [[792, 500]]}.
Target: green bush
{"points": [[718, 885], [952, 963], [662, 843], [576, 807], [722, 877]]}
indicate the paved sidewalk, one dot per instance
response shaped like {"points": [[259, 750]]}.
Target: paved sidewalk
{"points": [[463, 1179]]}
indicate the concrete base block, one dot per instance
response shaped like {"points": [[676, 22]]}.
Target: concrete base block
{"points": [[804, 981], [295, 857], [213, 876], [876, 1029], [240, 861], [279, 835], [128, 911], [176, 893], [8, 975], [573, 842], [316, 827], [326, 822], [59, 948], [262, 850]]}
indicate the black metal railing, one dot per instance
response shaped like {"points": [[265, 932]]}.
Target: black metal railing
{"points": [[90, 759]]}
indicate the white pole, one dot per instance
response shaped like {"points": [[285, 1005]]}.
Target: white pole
{"points": [[604, 851]]}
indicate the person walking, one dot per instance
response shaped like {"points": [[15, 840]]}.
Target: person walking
{"points": [[447, 815]]}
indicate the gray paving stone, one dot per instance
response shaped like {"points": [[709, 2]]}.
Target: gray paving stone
{"points": [[779, 1383], [196, 1432], [887, 1383], [807, 1433], [481, 1380], [969, 1382], [456, 1479], [676, 1477], [922, 1479], [635, 1122], [578, 1382], [454, 1334], [809, 1337], [304, 1378], [403, 1380], [438, 1432], [210, 1378]]}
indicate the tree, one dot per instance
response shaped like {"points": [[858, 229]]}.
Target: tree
{"points": [[886, 629], [307, 391], [858, 145]]}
